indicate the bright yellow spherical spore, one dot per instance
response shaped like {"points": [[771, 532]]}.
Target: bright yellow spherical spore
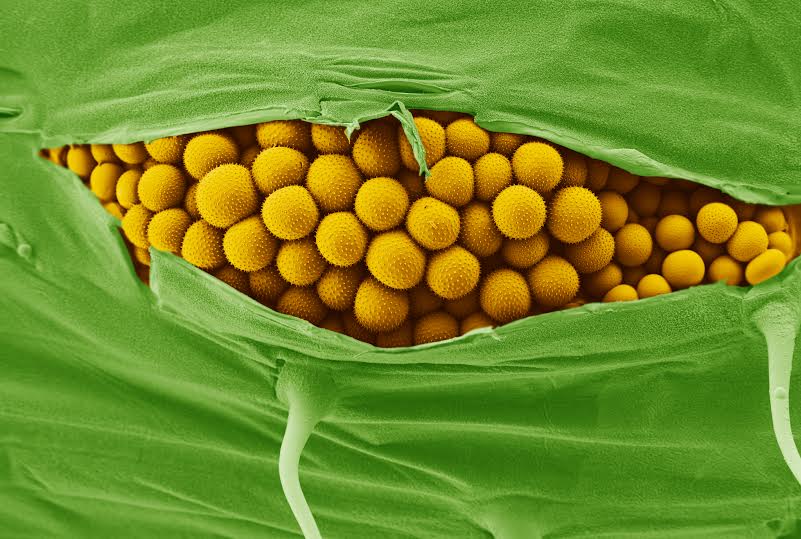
{"points": [[135, 224], [103, 180], [475, 321], [395, 260], [203, 246], [683, 269], [725, 268], [330, 139], [519, 212], [168, 150], [381, 203], [267, 284], [525, 253], [341, 239], [127, 188], [133, 154], [451, 181], [652, 285], [279, 167], [225, 195], [492, 174], [433, 224], [434, 327], [592, 254], [375, 150], [337, 287], [645, 198], [167, 229], [505, 295], [453, 272], [380, 308], [574, 173], [248, 245], [80, 160], [574, 213], [432, 135], [622, 292], [290, 133], [333, 180], [771, 218], [674, 232], [553, 281], [478, 231], [161, 187], [506, 143], [716, 222], [538, 165], [633, 245], [783, 242], [302, 302], [597, 284], [621, 181], [748, 241], [290, 213], [764, 266], [467, 140], [208, 151], [299, 262], [104, 153], [614, 210]]}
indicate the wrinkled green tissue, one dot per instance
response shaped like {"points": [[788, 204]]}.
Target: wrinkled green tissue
{"points": [[135, 412]]}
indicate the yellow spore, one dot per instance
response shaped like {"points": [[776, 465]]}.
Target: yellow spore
{"points": [[683, 269], [492, 174], [764, 266], [716, 222], [519, 212], [725, 268], [279, 167], [290, 213], [478, 231], [337, 287], [748, 241], [434, 327], [467, 140], [592, 254], [451, 181], [538, 165], [248, 245], [395, 260], [633, 245], [574, 213], [453, 272], [330, 139], [505, 295], [381, 203], [674, 232], [290, 133], [333, 180], [525, 253], [208, 151], [380, 308], [341, 239], [299, 262], [434, 224], [225, 195], [652, 285], [167, 229], [432, 135], [168, 150], [622, 292], [553, 281], [203, 246]]}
